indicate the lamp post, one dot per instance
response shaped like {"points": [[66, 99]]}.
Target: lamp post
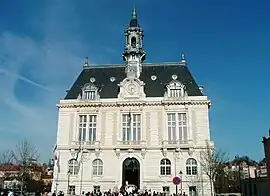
{"points": [[181, 176], [68, 175], [239, 173]]}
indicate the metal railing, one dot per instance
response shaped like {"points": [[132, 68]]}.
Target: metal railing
{"points": [[131, 144], [88, 144], [177, 143]]}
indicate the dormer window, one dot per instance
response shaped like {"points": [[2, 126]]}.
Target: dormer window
{"points": [[89, 92], [175, 89], [175, 92]]}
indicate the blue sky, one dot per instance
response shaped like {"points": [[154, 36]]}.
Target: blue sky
{"points": [[227, 44]]}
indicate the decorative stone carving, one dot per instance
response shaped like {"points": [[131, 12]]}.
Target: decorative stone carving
{"points": [[164, 152], [130, 151], [178, 153], [117, 152], [175, 89], [73, 152], [131, 88], [143, 153], [97, 152], [190, 151]]}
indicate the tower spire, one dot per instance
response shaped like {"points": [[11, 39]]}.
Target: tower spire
{"points": [[134, 13], [134, 53]]}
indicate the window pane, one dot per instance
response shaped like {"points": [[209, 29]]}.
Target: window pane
{"points": [[171, 126], [94, 170], [92, 127], [82, 127], [168, 162], [168, 170], [162, 170]]}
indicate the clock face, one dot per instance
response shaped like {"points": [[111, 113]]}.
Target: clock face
{"points": [[131, 88]]}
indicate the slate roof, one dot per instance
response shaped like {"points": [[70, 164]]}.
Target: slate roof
{"points": [[153, 88]]}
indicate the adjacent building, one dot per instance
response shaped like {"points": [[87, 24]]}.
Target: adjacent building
{"points": [[134, 123]]}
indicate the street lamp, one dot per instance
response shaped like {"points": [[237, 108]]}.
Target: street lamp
{"points": [[181, 176], [68, 174], [239, 173]]}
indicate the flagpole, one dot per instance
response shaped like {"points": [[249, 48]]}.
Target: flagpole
{"points": [[81, 162], [58, 170]]}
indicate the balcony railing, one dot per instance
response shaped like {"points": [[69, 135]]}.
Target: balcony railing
{"points": [[87, 144], [131, 144], [177, 143]]}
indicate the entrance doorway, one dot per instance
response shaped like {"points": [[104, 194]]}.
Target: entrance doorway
{"points": [[131, 172]]}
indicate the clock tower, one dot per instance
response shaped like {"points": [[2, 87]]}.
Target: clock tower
{"points": [[134, 53]]}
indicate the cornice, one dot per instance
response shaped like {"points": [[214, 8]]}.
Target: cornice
{"points": [[92, 104]]}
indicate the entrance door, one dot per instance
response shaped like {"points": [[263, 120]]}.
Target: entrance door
{"points": [[131, 172]]}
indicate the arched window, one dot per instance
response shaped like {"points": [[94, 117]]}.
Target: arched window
{"points": [[191, 167], [73, 167], [97, 167], [133, 42], [165, 167]]}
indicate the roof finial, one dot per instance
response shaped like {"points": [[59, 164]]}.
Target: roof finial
{"points": [[86, 64], [134, 13], [183, 59]]}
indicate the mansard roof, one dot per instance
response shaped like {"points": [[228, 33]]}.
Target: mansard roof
{"points": [[156, 77]]}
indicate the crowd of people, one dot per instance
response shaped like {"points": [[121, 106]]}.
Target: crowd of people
{"points": [[124, 191]]}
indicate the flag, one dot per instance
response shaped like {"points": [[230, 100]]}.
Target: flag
{"points": [[58, 162], [55, 152]]}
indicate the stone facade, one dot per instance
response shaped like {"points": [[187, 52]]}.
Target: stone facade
{"points": [[141, 125], [149, 152]]}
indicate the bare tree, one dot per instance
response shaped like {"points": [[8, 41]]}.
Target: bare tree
{"points": [[25, 154], [213, 163], [6, 157]]}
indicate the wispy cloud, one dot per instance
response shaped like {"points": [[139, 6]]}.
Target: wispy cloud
{"points": [[33, 77]]}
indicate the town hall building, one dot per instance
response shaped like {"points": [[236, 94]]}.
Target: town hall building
{"points": [[134, 123]]}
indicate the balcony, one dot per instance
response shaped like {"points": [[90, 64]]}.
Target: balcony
{"points": [[177, 144], [131, 144], [87, 144]]}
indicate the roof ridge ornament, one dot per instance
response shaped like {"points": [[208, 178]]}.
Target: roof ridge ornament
{"points": [[134, 13], [183, 58], [86, 62]]}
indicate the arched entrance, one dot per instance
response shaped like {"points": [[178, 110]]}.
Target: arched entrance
{"points": [[131, 172]]}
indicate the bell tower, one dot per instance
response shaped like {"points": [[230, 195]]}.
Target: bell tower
{"points": [[134, 53]]}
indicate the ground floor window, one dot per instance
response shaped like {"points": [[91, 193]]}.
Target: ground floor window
{"points": [[96, 189], [166, 190], [193, 191], [71, 190]]}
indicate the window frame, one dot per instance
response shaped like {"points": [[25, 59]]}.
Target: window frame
{"points": [[97, 167], [165, 167], [191, 167], [74, 167], [90, 134], [134, 135], [184, 127], [175, 89], [89, 92]]}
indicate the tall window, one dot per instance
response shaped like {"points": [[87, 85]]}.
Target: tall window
{"points": [[191, 167], [177, 126], [87, 127], [165, 167], [97, 167], [131, 127], [73, 167]]}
